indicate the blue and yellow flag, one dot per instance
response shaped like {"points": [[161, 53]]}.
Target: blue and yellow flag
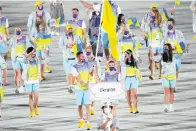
{"points": [[165, 15], [45, 39], [60, 20], [108, 24], [132, 21], [42, 42]]}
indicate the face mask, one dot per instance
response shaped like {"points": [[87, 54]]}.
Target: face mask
{"points": [[70, 33], [123, 21], [82, 60], [18, 32], [75, 15], [33, 56], [106, 110], [41, 8], [152, 17], [112, 68], [126, 32], [165, 51], [38, 22], [88, 53], [170, 27], [97, 13]]}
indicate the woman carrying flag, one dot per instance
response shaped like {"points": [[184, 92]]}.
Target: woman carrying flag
{"points": [[176, 39], [169, 76], [31, 25], [41, 38], [153, 32]]}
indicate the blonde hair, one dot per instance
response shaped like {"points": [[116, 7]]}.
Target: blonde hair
{"points": [[157, 16]]}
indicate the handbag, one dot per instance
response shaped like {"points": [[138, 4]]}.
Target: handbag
{"points": [[170, 77]]}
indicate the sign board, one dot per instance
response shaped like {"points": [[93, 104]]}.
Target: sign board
{"points": [[107, 91]]}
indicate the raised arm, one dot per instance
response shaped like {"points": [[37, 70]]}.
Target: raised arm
{"points": [[86, 4]]}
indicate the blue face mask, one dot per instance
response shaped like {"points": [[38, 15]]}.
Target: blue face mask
{"points": [[126, 32], [153, 17], [41, 8], [170, 27], [88, 53], [112, 68], [70, 33], [18, 32], [123, 21], [75, 15], [165, 51], [38, 22]]}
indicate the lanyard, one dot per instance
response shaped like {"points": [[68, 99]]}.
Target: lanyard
{"points": [[173, 36], [76, 22]]}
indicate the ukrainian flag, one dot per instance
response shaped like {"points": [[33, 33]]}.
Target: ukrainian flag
{"points": [[60, 20], [180, 48], [108, 25], [132, 21], [43, 41], [165, 15]]}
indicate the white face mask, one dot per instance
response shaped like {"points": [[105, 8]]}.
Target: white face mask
{"points": [[107, 111], [97, 13]]}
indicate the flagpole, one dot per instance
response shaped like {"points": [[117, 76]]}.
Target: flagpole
{"points": [[174, 6], [98, 40], [99, 35]]}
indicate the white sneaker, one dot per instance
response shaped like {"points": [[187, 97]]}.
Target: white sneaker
{"points": [[171, 109], [52, 33], [21, 89]]}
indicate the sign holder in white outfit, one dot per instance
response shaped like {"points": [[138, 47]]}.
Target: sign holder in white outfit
{"points": [[107, 91]]}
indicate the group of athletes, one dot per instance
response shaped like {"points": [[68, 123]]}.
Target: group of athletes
{"points": [[82, 51]]}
